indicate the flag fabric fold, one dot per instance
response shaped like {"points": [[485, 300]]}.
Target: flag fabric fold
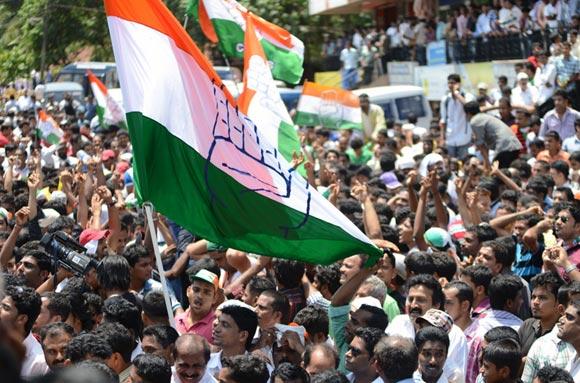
{"points": [[201, 161], [108, 110], [224, 22], [328, 106], [261, 100], [48, 129]]}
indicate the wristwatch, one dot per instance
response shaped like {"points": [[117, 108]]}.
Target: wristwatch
{"points": [[570, 268]]}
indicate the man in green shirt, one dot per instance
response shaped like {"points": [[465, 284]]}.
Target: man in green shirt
{"points": [[358, 153]]}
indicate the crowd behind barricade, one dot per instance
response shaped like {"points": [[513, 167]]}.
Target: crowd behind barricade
{"points": [[480, 31], [478, 217]]}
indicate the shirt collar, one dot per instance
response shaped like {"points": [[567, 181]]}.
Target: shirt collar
{"points": [[186, 319]]}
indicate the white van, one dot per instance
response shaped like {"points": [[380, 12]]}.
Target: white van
{"points": [[399, 100]]}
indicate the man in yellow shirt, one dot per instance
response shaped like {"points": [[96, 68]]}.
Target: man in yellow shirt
{"points": [[373, 118]]}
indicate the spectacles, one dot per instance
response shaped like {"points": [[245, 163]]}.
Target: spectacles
{"points": [[562, 218]]}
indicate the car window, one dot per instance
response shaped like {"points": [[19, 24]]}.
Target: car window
{"points": [[386, 105], [412, 104]]}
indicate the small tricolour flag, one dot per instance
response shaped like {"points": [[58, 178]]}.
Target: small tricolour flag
{"points": [[205, 164], [261, 100], [328, 106], [108, 110], [224, 22], [48, 128]]}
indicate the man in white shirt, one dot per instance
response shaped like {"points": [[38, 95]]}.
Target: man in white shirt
{"points": [[483, 24], [349, 57], [569, 331], [545, 78], [18, 311], [425, 293], [192, 353], [524, 95], [509, 16]]}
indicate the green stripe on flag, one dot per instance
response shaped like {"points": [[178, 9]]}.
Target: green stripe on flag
{"points": [[174, 177], [311, 119]]}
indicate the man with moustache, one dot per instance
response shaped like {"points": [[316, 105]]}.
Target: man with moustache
{"points": [[191, 355], [54, 339]]}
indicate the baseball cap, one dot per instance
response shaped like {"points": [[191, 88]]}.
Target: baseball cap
{"points": [[107, 154], [437, 318], [92, 234], [522, 76], [369, 301], [405, 163], [122, 167], [438, 238], [390, 180], [482, 85], [208, 277]]}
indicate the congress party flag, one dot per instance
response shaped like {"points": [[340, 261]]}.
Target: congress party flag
{"points": [[224, 22], [261, 100], [201, 161], [328, 106], [48, 129], [108, 110]]}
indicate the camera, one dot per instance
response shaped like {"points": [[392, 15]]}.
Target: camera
{"points": [[68, 253]]}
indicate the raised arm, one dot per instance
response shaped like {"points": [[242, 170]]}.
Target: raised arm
{"points": [[530, 237], [8, 248], [344, 294], [371, 220], [419, 224]]}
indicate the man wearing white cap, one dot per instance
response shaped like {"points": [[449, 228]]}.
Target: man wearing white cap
{"points": [[524, 95]]}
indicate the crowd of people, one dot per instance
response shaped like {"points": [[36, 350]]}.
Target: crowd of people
{"points": [[477, 215], [473, 32]]}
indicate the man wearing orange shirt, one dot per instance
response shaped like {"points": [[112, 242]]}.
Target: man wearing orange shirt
{"points": [[553, 150]]}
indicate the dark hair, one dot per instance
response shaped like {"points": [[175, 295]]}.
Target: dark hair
{"points": [[329, 376], [454, 77], [152, 368], [56, 328], [27, 302], [501, 332], [472, 107], [80, 296], [279, 304], [397, 357], [503, 287], [444, 265], [387, 161], [567, 191], [378, 318], [432, 334], [356, 143], [42, 259], [572, 208], [153, 305], [370, 337], [134, 253], [483, 232], [479, 274], [204, 263], [88, 371], [504, 353], [523, 168], [432, 284], [548, 280], [289, 372], [553, 134], [501, 253], [464, 291], [329, 276], [561, 167], [163, 334], [314, 319], [257, 285], [87, 344], [561, 93], [118, 309], [58, 304], [418, 262], [118, 337], [288, 273], [327, 350], [575, 156], [245, 319], [551, 374], [114, 273], [247, 368]]}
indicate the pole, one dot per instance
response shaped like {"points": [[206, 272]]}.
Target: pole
{"points": [[149, 214], [44, 42], [185, 21]]}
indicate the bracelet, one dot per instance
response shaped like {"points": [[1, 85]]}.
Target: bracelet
{"points": [[570, 268]]}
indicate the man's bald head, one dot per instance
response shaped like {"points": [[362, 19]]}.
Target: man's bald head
{"points": [[190, 344], [396, 358]]}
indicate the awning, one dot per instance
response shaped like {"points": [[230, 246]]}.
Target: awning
{"points": [[333, 7]]}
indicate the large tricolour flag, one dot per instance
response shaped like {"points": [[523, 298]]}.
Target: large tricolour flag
{"points": [[261, 100], [205, 164], [48, 128], [328, 106], [224, 22], [108, 110]]}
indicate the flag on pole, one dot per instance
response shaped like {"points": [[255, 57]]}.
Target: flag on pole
{"points": [[108, 110], [48, 129], [224, 22], [328, 106], [204, 163], [261, 100]]}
